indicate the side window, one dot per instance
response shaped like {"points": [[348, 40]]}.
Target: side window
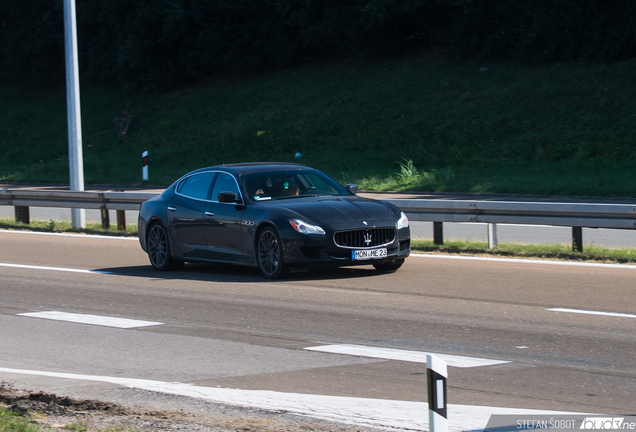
{"points": [[224, 183], [196, 186]]}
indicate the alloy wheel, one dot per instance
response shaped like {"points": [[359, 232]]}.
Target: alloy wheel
{"points": [[158, 247], [270, 254]]}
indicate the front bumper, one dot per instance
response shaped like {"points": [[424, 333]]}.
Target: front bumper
{"points": [[321, 250]]}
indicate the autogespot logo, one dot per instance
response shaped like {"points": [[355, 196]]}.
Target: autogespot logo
{"points": [[607, 423], [563, 423]]}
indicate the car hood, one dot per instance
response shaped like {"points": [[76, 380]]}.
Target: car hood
{"points": [[341, 211]]}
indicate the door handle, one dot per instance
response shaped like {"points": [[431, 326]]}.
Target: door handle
{"points": [[171, 208], [209, 214]]}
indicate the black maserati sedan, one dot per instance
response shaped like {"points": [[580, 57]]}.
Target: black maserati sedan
{"points": [[274, 216]]}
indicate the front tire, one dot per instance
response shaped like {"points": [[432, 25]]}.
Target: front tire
{"points": [[390, 266], [269, 252], [159, 250]]}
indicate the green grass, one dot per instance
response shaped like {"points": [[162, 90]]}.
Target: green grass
{"points": [[78, 426], [63, 226], [536, 251], [565, 129], [11, 421], [582, 178]]}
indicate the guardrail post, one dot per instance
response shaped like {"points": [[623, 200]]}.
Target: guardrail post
{"points": [[121, 220], [436, 375], [492, 235], [577, 239], [105, 218], [438, 233], [22, 215]]}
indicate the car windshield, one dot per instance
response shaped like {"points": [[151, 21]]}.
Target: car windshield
{"points": [[290, 184]]}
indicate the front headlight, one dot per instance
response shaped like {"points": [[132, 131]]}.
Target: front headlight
{"points": [[403, 222], [305, 228]]}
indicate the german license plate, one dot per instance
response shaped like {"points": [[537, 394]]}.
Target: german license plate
{"points": [[368, 254]]}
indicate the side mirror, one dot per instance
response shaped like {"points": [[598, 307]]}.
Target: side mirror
{"points": [[227, 197], [353, 188]]}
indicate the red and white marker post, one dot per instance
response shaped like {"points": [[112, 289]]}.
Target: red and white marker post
{"points": [[144, 169]]}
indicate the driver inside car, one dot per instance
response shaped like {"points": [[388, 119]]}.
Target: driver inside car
{"points": [[290, 188]]}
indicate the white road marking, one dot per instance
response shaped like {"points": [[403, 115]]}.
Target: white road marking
{"points": [[62, 269], [383, 413], [106, 321], [441, 256], [404, 355], [588, 312], [528, 261], [86, 236]]}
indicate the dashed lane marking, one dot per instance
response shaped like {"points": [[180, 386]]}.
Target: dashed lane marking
{"points": [[589, 312], [105, 321], [62, 269], [404, 355]]}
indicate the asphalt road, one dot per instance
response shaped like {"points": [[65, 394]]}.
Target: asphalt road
{"points": [[225, 327]]}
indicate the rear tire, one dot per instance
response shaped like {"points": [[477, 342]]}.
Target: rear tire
{"points": [[269, 253], [390, 266], [159, 250]]}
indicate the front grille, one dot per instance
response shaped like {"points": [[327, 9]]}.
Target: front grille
{"points": [[364, 238]]}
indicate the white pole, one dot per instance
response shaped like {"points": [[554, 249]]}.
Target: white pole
{"points": [[436, 375], [75, 158], [492, 235]]}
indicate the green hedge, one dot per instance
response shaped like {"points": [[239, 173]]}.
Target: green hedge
{"points": [[151, 44], [548, 30]]}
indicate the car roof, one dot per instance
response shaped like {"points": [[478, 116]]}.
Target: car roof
{"points": [[252, 167]]}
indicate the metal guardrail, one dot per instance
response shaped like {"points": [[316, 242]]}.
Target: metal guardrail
{"points": [[529, 213], [74, 199], [575, 215], [22, 199]]}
